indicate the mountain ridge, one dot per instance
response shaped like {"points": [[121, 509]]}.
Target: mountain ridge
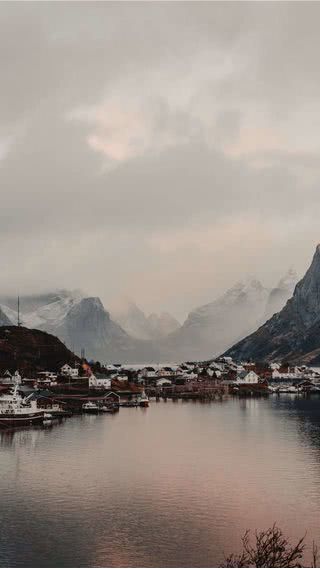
{"points": [[293, 333]]}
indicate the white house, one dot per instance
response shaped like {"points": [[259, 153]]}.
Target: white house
{"points": [[69, 371], [292, 373], [250, 377], [47, 378], [47, 375], [9, 379], [99, 380], [148, 372]]}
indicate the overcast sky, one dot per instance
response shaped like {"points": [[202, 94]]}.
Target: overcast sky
{"points": [[158, 150]]}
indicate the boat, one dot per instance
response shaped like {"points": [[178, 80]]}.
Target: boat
{"points": [[132, 403], [18, 411], [91, 408], [143, 401], [108, 409], [287, 389]]}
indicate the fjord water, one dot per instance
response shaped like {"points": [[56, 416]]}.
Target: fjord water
{"points": [[173, 485]]}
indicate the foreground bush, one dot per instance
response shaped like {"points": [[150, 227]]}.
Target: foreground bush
{"points": [[270, 548]]}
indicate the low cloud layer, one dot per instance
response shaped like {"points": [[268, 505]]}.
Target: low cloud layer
{"points": [[158, 150]]}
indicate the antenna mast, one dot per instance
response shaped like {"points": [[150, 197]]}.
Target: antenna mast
{"points": [[19, 321]]}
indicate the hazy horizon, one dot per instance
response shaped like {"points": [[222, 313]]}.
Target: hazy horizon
{"points": [[161, 151]]}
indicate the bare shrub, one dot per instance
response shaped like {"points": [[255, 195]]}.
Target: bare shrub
{"points": [[270, 549]]}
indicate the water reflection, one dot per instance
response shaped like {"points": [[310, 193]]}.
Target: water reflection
{"points": [[173, 485]]}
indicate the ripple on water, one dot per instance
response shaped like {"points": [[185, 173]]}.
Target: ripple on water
{"points": [[174, 486]]}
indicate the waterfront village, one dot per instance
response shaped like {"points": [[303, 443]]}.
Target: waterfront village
{"points": [[89, 387]]}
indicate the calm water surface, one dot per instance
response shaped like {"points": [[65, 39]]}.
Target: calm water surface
{"points": [[173, 485]]}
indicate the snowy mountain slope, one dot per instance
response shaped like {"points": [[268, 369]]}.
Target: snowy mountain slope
{"points": [[9, 313], [211, 328], [281, 293], [294, 332], [4, 320], [81, 322], [52, 314]]}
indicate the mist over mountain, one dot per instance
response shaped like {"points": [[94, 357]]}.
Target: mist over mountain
{"points": [[211, 328], [162, 324], [126, 334], [294, 332], [134, 321], [281, 293], [80, 322]]}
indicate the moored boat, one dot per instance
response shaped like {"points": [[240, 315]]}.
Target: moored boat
{"points": [[91, 408], [133, 403], [18, 411], [143, 401]]}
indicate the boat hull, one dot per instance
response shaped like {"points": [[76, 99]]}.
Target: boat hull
{"points": [[21, 420]]}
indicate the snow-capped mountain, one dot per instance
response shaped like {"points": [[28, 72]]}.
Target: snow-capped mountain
{"points": [[88, 325], [294, 332], [4, 320], [128, 335], [211, 328], [81, 322], [41, 311], [281, 293], [134, 321]]}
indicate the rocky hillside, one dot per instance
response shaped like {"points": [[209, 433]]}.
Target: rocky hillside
{"points": [[32, 350], [292, 334], [88, 325]]}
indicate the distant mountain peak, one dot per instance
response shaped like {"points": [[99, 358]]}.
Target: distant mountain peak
{"points": [[135, 322]]}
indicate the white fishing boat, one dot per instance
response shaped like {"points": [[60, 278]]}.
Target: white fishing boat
{"points": [[91, 408], [16, 410], [143, 401]]}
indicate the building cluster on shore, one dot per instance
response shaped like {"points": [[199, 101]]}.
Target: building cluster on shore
{"points": [[75, 384]]}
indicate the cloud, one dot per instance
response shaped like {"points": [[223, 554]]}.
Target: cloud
{"points": [[167, 146]]}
